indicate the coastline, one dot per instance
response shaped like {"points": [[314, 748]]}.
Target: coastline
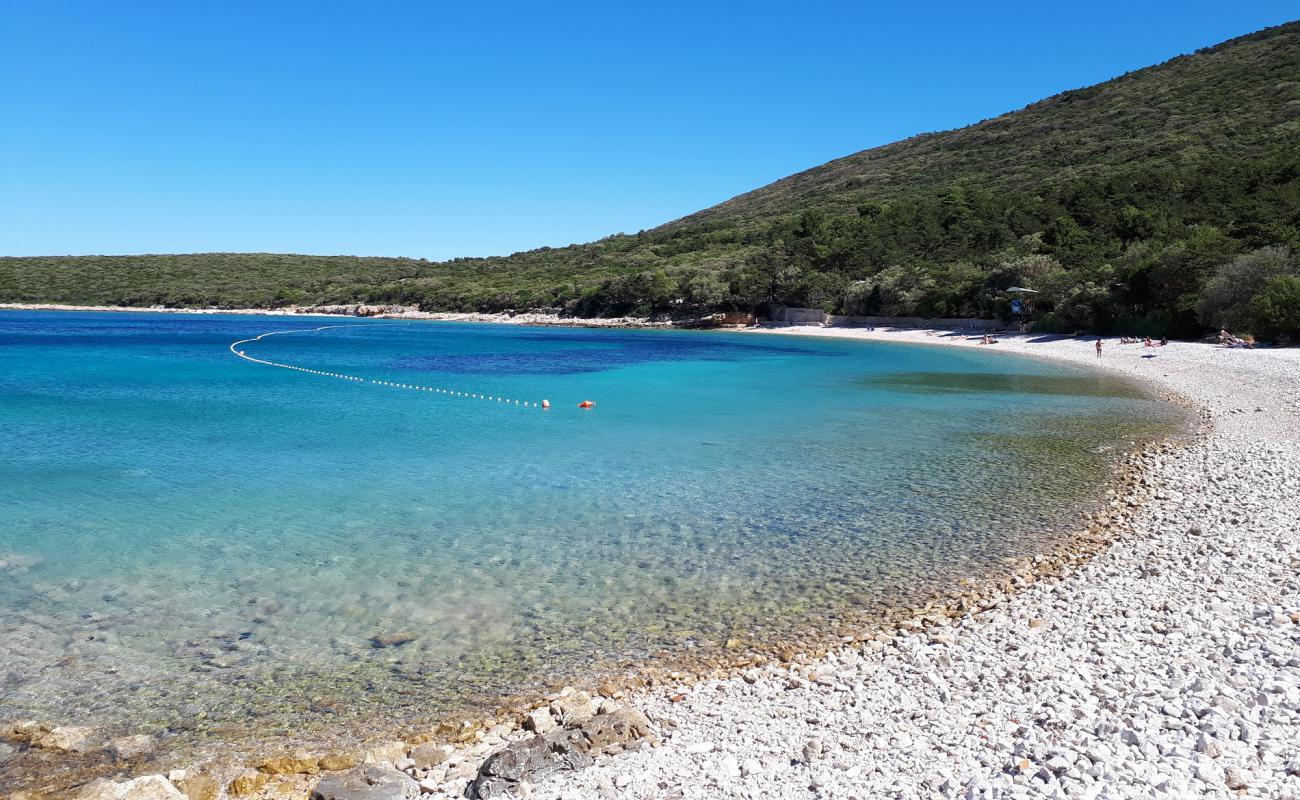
{"points": [[1146, 666], [527, 318], [689, 712]]}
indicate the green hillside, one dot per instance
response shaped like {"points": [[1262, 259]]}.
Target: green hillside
{"points": [[1165, 201]]}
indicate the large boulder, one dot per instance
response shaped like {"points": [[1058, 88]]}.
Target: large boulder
{"points": [[369, 782], [568, 749], [572, 706]]}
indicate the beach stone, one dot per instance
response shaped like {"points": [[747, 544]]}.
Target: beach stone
{"points": [[429, 755], [150, 787], [572, 707], [539, 720], [199, 787], [146, 787], [622, 727], [386, 753], [1234, 778], [25, 732], [67, 739], [296, 763], [812, 750], [338, 760], [563, 750], [6, 750], [533, 759], [247, 783], [368, 782], [101, 789], [131, 748]]}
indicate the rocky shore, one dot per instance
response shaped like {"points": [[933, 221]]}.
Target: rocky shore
{"points": [[1159, 657]]}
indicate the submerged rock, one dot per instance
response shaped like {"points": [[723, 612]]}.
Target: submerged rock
{"points": [[25, 732], [146, 787], [391, 639], [67, 739], [131, 748], [370, 782], [199, 787]]}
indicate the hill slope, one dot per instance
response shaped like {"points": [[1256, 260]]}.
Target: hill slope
{"points": [[1133, 205]]}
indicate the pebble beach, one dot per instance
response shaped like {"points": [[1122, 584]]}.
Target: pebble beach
{"points": [[1164, 663], [1166, 666]]}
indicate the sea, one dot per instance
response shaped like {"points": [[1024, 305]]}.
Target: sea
{"points": [[208, 548]]}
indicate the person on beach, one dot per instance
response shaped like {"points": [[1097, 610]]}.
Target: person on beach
{"points": [[1099, 348]]}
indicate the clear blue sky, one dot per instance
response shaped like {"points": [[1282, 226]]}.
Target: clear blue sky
{"points": [[435, 129]]}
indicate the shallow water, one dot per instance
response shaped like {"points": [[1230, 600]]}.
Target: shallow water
{"points": [[194, 545]]}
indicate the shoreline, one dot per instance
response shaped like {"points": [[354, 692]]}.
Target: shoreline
{"points": [[671, 699], [526, 318], [1250, 408]]}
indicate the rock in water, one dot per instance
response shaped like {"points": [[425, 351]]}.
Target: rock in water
{"points": [[131, 748], [370, 782], [147, 787], [67, 739], [199, 787], [381, 640]]}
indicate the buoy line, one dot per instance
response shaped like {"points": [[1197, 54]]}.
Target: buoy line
{"points": [[235, 348]]}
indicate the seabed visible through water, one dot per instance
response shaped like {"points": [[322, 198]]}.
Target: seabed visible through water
{"points": [[213, 551]]}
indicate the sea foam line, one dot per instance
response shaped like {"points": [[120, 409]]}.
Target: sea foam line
{"points": [[234, 348]]}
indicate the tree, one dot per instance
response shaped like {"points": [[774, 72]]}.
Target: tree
{"points": [[1226, 302], [1275, 309], [704, 290]]}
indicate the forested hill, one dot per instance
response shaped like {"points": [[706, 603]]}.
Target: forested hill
{"points": [[1166, 200]]}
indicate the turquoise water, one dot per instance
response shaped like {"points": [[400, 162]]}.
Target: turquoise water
{"points": [[196, 544]]}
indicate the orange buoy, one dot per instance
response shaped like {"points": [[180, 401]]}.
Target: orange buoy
{"points": [[546, 404], [586, 404]]}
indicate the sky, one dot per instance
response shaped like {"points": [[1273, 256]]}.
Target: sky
{"points": [[436, 130]]}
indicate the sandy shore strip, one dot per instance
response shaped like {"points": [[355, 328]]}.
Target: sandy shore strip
{"points": [[1168, 665]]}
